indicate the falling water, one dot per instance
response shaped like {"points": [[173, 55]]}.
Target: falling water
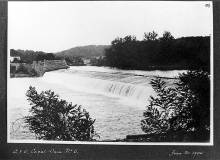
{"points": [[115, 98]]}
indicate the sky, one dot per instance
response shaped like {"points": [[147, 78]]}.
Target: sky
{"points": [[56, 26]]}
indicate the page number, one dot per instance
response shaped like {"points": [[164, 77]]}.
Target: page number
{"points": [[207, 5]]}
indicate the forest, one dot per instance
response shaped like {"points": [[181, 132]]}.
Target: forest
{"points": [[163, 53], [28, 56]]}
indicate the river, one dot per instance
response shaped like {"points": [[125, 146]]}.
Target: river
{"points": [[115, 98]]}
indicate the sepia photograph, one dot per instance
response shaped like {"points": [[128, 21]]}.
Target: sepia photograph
{"points": [[110, 72]]}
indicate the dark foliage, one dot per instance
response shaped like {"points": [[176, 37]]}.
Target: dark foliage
{"points": [[74, 61], [28, 56], [12, 69], [164, 52], [16, 60], [100, 61], [198, 83], [150, 36], [22, 69], [32, 72], [48, 56], [55, 119], [160, 109], [185, 107]]}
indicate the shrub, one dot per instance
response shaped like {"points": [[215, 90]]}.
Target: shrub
{"points": [[161, 107], [55, 119], [22, 69], [12, 69], [197, 85], [183, 107], [16, 60], [33, 72]]}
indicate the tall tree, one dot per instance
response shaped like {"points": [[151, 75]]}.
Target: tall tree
{"points": [[150, 36], [167, 36]]}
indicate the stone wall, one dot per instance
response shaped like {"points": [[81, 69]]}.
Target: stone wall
{"points": [[17, 65], [48, 65], [38, 66]]}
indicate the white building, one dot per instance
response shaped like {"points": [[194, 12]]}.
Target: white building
{"points": [[86, 61], [12, 58]]}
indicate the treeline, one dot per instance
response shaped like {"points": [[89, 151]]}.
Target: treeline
{"points": [[155, 52], [28, 56], [73, 60]]}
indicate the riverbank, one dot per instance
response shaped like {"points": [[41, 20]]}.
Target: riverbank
{"points": [[36, 69], [20, 75], [176, 136]]}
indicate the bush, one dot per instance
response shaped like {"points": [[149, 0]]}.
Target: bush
{"points": [[183, 107], [22, 69], [33, 72], [16, 60], [161, 107], [197, 83], [74, 61], [12, 69], [55, 119]]}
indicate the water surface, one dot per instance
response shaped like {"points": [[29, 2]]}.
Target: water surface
{"points": [[115, 98]]}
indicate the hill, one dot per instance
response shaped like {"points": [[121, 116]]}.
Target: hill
{"points": [[84, 51]]}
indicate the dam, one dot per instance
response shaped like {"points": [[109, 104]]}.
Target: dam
{"points": [[48, 65], [115, 98]]}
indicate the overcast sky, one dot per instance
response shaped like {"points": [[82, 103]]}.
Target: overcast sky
{"points": [[56, 26]]}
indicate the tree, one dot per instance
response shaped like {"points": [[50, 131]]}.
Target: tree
{"points": [[167, 36], [22, 69], [55, 119], [161, 107], [185, 107], [74, 61], [16, 60], [196, 83], [97, 61], [46, 56], [159, 53], [12, 69], [150, 36]]}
